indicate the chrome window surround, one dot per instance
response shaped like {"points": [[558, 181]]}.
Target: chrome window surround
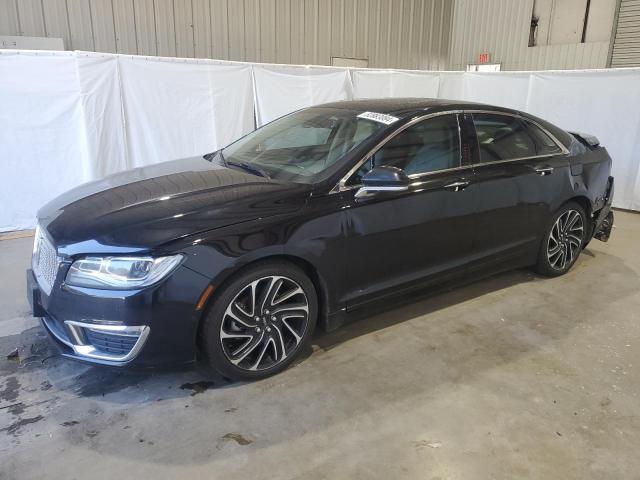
{"points": [[80, 348], [342, 186]]}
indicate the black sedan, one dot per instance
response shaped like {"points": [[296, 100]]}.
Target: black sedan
{"points": [[236, 256]]}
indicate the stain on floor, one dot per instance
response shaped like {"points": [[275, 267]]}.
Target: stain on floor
{"points": [[237, 437]]}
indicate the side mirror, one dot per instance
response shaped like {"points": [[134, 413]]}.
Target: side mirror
{"points": [[383, 179]]}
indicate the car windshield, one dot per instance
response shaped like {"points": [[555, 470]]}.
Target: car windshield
{"points": [[301, 146]]}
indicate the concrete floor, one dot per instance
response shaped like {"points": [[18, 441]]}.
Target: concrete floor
{"points": [[513, 377]]}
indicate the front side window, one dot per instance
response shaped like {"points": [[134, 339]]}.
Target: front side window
{"points": [[427, 146], [302, 146], [503, 137]]}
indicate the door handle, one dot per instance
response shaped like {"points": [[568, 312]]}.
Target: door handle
{"points": [[544, 170], [457, 186]]}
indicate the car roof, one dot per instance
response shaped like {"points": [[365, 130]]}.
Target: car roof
{"points": [[406, 106]]}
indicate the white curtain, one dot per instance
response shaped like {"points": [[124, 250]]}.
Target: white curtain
{"points": [[69, 117], [66, 118], [605, 103], [393, 83], [42, 138], [175, 110], [282, 89]]}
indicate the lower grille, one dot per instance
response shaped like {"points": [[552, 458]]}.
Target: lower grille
{"points": [[109, 343], [114, 343]]}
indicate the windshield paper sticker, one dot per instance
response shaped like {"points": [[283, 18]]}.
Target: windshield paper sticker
{"points": [[379, 117]]}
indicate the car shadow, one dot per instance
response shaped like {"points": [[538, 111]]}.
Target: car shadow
{"points": [[385, 313]]}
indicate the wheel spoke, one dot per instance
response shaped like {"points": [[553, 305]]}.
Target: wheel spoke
{"points": [[281, 351], [239, 315], [291, 330], [292, 308], [240, 354], [266, 297], [266, 344]]}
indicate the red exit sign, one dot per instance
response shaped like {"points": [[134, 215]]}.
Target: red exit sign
{"points": [[484, 58]]}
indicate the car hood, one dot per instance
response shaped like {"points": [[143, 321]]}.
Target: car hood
{"points": [[146, 207]]}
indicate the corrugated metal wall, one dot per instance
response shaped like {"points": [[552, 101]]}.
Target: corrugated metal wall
{"points": [[389, 33], [501, 27], [626, 46]]}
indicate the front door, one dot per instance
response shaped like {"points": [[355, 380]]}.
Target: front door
{"points": [[398, 239]]}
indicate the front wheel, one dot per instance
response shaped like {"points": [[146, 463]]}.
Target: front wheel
{"points": [[563, 241], [260, 321]]}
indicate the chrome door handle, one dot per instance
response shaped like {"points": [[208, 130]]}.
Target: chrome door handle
{"points": [[544, 170], [457, 186]]}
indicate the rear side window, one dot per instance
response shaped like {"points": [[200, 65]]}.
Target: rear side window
{"points": [[503, 137], [427, 146]]}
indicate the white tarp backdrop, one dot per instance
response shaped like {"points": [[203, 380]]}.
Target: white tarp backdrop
{"points": [[390, 83], [281, 89], [42, 134], [70, 117]]}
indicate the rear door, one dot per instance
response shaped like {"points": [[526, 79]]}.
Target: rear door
{"points": [[520, 170]]}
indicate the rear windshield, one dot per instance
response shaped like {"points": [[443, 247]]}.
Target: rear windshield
{"points": [[301, 146]]}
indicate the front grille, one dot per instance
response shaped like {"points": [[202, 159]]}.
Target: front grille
{"points": [[110, 343], [44, 262]]}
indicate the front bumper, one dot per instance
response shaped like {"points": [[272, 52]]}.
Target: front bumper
{"points": [[156, 326]]}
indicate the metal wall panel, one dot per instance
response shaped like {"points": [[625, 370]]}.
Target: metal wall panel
{"points": [[31, 18], [80, 25], [104, 34], [184, 29], [125, 26], [219, 29], [202, 28], [501, 28], [9, 23], [145, 26], [626, 45], [165, 28], [56, 20], [387, 33]]}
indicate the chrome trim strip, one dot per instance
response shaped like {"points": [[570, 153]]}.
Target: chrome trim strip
{"points": [[53, 332], [497, 162], [364, 191], [90, 352], [342, 187]]}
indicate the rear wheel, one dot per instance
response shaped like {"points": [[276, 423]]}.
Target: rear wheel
{"points": [[563, 241], [260, 321]]}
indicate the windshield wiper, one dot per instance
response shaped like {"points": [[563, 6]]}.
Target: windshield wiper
{"points": [[247, 167]]}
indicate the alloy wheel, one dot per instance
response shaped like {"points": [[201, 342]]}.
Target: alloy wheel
{"points": [[264, 323], [565, 239]]}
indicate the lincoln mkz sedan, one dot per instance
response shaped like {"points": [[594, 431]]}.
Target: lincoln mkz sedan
{"points": [[234, 257]]}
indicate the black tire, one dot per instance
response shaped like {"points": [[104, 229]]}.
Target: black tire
{"points": [[282, 331], [552, 264]]}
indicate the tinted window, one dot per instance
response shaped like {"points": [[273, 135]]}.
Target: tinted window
{"points": [[427, 146], [502, 137]]}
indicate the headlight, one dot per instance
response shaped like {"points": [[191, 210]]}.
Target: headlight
{"points": [[120, 273]]}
